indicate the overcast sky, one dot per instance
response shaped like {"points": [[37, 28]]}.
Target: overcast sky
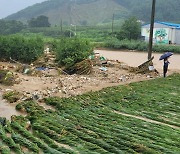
{"points": [[8, 7]]}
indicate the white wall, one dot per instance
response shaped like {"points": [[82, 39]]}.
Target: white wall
{"points": [[172, 34], [177, 36], [160, 35]]}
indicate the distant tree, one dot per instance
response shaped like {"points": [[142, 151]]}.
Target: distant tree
{"points": [[130, 29], [10, 27], [32, 22], [84, 22], [69, 33], [40, 21]]}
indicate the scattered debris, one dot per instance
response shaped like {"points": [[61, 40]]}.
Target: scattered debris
{"points": [[28, 70], [47, 60], [43, 78], [146, 67], [103, 68]]}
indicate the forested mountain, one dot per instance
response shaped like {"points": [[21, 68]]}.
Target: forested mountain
{"points": [[90, 12], [166, 10]]}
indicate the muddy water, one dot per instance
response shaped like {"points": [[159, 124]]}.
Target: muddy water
{"points": [[137, 58], [7, 110]]}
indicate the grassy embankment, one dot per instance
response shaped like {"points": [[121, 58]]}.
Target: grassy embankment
{"points": [[88, 123]]}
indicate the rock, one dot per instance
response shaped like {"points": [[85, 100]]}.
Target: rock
{"points": [[64, 91], [123, 78], [35, 95], [27, 92], [8, 90], [70, 88]]}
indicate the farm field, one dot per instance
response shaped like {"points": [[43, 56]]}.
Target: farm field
{"points": [[140, 117]]}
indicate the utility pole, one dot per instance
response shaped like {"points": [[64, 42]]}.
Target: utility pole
{"points": [[61, 26], [113, 24], [151, 29], [70, 30], [75, 29]]}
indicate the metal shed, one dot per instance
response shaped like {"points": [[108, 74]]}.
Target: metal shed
{"points": [[164, 33]]}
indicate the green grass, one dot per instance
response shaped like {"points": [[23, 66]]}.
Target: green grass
{"points": [[87, 123], [98, 33], [139, 45]]}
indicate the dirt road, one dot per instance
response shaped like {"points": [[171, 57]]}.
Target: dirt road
{"points": [[137, 58]]}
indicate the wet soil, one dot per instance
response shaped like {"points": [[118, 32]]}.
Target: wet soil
{"points": [[7, 110]]}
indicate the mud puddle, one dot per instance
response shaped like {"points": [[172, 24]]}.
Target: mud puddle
{"points": [[7, 110]]}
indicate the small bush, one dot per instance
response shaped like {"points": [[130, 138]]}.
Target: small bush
{"points": [[11, 96], [166, 48], [21, 49], [71, 51]]}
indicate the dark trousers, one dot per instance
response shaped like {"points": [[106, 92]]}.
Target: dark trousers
{"points": [[165, 70]]}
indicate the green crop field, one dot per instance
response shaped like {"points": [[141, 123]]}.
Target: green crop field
{"points": [[141, 117]]}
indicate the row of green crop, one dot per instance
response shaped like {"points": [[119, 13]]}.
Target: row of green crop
{"points": [[41, 130], [138, 45], [53, 130], [9, 141], [97, 135], [29, 141], [104, 128], [89, 120], [98, 131], [90, 102], [88, 123], [139, 98], [4, 149]]}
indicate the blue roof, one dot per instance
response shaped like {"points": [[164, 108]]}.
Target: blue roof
{"points": [[169, 24], [173, 25]]}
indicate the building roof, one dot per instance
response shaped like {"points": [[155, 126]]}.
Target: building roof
{"points": [[173, 25]]}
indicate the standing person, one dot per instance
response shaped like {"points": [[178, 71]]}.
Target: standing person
{"points": [[165, 57], [165, 67]]}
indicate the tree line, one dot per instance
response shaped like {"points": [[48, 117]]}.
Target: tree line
{"points": [[13, 26]]}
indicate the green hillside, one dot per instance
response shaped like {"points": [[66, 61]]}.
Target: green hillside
{"points": [[90, 12], [80, 12]]}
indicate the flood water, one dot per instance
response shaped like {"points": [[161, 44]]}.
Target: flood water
{"points": [[136, 58], [7, 109]]}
